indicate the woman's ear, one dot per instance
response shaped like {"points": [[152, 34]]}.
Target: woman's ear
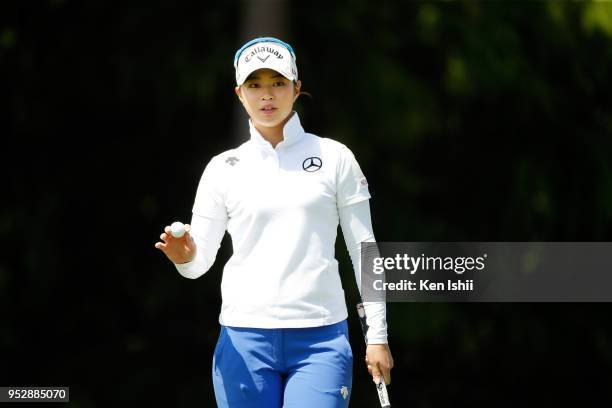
{"points": [[238, 93], [296, 89]]}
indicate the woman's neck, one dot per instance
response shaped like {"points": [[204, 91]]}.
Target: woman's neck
{"points": [[273, 135]]}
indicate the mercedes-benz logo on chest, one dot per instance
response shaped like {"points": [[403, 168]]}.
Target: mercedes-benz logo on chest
{"points": [[312, 164]]}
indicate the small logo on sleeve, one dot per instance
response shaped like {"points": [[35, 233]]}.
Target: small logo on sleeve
{"points": [[363, 182]]}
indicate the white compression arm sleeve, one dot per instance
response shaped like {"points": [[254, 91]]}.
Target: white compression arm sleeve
{"points": [[207, 234], [357, 228]]}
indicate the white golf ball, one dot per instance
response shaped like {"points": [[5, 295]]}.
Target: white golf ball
{"points": [[177, 229]]}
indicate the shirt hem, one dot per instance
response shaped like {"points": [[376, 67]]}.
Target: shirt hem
{"points": [[271, 323]]}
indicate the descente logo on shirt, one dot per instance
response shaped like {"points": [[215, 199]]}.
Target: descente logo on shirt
{"points": [[257, 50], [232, 160]]}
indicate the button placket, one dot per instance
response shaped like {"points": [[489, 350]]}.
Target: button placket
{"points": [[277, 161], [271, 161]]}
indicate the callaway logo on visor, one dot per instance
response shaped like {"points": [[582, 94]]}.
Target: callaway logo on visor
{"points": [[257, 50]]}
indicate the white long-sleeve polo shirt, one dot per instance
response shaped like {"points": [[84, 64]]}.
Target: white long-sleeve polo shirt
{"points": [[281, 208]]}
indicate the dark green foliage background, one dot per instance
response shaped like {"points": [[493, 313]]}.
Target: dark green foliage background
{"points": [[473, 121]]}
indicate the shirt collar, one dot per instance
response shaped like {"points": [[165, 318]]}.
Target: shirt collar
{"points": [[292, 133]]}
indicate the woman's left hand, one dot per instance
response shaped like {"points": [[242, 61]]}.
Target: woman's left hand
{"points": [[379, 361]]}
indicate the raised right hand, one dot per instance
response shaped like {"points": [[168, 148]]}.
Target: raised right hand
{"points": [[178, 250]]}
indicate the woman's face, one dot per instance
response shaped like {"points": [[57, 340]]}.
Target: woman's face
{"points": [[268, 97]]}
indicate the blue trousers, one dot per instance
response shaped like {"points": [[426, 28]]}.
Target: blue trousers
{"points": [[291, 368]]}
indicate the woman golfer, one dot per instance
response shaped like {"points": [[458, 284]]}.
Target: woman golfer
{"points": [[281, 195]]}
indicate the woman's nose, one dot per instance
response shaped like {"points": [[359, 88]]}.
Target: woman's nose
{"points": [[268, 93]]}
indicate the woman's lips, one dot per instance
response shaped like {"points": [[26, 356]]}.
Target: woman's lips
{"points": [[268, 110]]}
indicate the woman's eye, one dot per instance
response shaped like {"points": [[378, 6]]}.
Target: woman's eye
{"points": [[253, 85], [280, 83]]}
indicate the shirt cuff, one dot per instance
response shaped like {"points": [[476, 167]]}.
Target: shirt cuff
{"points": [[193, 269], [377, 340]]}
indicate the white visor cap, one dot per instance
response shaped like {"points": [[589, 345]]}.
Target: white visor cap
{"points": [[265, 54]]}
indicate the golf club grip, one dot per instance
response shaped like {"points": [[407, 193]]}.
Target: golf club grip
{"points": [[383, 396], [381, 388]]}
